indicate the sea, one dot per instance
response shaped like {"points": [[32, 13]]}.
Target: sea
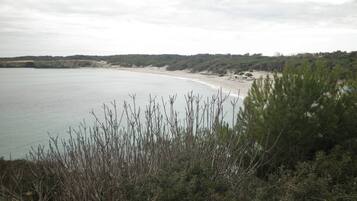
{"points": [[36, 104]]}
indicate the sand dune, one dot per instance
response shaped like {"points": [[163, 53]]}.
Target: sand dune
{"points": [[236, 85]]}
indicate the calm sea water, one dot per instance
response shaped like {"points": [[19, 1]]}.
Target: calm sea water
{"points": [[36, 103]]}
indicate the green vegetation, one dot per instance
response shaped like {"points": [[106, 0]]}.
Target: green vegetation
{"points": [[55, 63], [218, 63], [294, 139], [65, 64], [301, 112]]}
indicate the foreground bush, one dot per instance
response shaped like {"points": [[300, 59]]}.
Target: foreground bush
{"points": [[330, 176], [295, 139], [300, 112], [151, 155]]}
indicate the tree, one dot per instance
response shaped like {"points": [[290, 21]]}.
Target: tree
{"points": [[293, 115]]}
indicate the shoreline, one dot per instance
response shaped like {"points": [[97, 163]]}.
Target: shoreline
{"points": [[232, 84], [229, 84]]}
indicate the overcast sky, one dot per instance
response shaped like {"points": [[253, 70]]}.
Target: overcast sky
{"points": [[102, 27]]}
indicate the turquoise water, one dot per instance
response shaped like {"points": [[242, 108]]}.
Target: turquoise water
{"points": [[36, 103]]}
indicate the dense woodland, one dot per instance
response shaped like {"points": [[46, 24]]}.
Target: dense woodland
{"points": [[218, 63], [294, 139]]}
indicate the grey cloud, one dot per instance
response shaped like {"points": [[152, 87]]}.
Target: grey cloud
{"points": [[305, 13], [212, 14], [44, 20]]}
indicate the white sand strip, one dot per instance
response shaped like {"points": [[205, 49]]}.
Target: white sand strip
{"points": [[228, 83]]}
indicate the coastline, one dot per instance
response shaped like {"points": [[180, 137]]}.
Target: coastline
{"points": [[231, 84]]}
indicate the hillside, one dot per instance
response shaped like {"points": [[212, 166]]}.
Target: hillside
{"points": [[217, 63]]}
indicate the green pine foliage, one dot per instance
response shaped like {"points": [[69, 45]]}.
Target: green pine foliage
{"points": [[299, 112]]}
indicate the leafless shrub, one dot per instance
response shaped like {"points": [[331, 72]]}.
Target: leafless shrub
{"points": [[130, 145]]}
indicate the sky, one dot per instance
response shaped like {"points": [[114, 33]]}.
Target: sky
{"points": [[106, 27]]}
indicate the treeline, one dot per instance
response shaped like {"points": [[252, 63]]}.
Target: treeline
{"points": [[52, 63], [294, 139], [235, 63], [218, 63]]}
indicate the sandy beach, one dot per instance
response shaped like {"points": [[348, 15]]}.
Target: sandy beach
{"points": [[235, 85]]}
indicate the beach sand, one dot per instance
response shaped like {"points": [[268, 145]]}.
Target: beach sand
{"points": [[235, 85]]}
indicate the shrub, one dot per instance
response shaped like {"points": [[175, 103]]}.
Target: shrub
{"points": [[298, 113], [153, 156], [330, 176]]}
